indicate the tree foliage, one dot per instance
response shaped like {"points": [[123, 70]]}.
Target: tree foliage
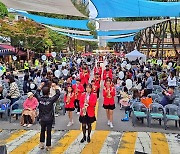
{"points": [[32, 35], [3, 10]]}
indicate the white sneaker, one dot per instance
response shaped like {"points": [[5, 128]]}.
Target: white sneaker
{"points": [[29, 125], [69, 124], [72, 122], [111, 125], [25, 125], [78, 113], [56, 115], [108, 123]]}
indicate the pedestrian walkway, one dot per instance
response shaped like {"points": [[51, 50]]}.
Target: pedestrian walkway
{"points": [[102, 142]]}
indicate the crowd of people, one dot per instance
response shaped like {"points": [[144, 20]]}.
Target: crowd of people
{"points": [[82, 86]]}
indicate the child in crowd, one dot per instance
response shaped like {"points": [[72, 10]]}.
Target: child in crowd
{"points": [[135, 98], [69, 99], [124, 101]]}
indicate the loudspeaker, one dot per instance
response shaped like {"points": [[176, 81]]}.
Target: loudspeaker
{"points": [[3, 149]]}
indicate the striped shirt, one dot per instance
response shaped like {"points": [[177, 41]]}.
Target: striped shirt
{"points": [[14, 90]]}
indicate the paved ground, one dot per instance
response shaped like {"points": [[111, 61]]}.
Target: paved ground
{"points": [[123, 138], [102, 142]]}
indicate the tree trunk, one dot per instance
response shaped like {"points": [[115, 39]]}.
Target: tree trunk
{"points": [[174, 45], [163, 36]]}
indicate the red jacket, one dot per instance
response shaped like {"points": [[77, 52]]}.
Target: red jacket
{"points": [[69, 104], [97, 82], [84, 78], [92, 104], [107, 74], [79, 89], [109, 101], [98, 70]]}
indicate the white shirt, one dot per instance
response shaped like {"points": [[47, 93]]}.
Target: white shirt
{"points": [[171, 81]]}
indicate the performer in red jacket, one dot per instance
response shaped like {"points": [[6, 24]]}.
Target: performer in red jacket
{"points": [[94, 87], [109, 105], [84, 76], [69, 98], [97, 81], [78, 90], [107, 73], [98, 69], [87, 115]]}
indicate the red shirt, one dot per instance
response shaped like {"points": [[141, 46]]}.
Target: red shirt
{"points": [[69, 104], [78, 90], [92, 103], [98, 70], [129, 75], [107, 74], [109, 100], [97, 82], [84, 78]]}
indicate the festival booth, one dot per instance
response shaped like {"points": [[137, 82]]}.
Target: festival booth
{"points": [[133, 55]]}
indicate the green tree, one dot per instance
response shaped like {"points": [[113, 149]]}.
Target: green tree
{"points": [[59, 41], [3, 10]]}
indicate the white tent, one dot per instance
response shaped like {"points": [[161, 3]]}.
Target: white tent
{"points": [[133, 55]]}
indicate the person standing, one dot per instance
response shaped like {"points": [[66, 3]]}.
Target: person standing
{"points": [[46, 113], [84, 76], [172, 80], [98, 69], [109, 104], [78, 90], [107, 73], [97, 80], [149, 82], [87, 115], [26, 67], [14, 93], [69, 104]]}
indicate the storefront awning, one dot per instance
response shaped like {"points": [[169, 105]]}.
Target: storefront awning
{"points": [[10, 50]]}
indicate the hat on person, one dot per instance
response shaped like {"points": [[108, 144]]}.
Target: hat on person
{"points": [[29, 94]]}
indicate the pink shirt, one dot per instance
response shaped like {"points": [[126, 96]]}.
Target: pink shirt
{"points": [[30, 103]]}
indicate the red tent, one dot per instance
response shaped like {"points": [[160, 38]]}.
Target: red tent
{"points": [[12, 49]]}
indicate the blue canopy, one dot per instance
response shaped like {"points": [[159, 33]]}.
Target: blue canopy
{"points": [[80, 24], [123, 39], [116, 32], [136, 8]]}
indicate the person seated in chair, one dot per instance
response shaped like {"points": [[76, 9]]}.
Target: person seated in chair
{"points": [[1, 92], [29, 112], [168, 96]]}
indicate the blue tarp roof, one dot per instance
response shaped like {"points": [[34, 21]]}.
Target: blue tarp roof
{"points": [[79, 24], [116, 32], [136, 8], [123, 39]]}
